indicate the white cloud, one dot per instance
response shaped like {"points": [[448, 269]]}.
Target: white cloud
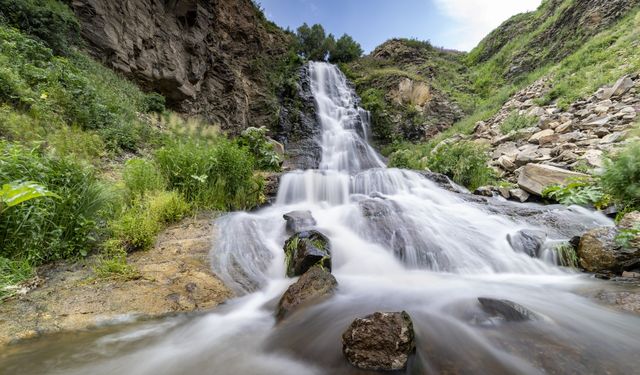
{"points": [[474, 19]]}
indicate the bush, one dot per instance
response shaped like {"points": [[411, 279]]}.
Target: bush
{"points": [[142, 176], [621, 177], [517, 122], [50, 229], [139, 225], [154, 102], [465, 162], [255, 139], [402, 159], [49, 20], [218, 176]]}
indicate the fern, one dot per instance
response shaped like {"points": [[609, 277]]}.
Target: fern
{"points": [[580, 191]]}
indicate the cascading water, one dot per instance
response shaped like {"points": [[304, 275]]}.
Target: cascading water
{"points": [[399, 242]]}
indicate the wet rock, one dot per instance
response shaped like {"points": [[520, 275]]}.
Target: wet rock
{"points": [[519, 194], [507, 310], [527, 241], [305, 250], [298, 221], [382, 341], [599, 252], [314, 286], [271, 186], [534, 178], [485, 191]]}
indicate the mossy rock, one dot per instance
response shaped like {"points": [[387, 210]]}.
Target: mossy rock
{"points": [[305, 250]]}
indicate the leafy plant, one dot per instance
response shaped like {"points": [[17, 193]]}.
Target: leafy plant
{"points": [[626, 238], [621, 177], [465, 162], [579, 191], [14, 193], [255, 139]]}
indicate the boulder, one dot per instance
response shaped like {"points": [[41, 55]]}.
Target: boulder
{"points": [[539, 135], [534, 178], [507, 310], [599, 252], [314, 286], [527, 241], [298, 221], [382, 341], [519, 194], [305, 250]]}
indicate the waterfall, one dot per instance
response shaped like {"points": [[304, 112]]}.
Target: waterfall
{"points": [[399, 242]]}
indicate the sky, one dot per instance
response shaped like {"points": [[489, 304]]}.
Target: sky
{"points": [[456, 24]]}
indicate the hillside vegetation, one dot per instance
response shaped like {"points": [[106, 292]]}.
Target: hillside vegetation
{"points": [[575, 46], [120, 167]]}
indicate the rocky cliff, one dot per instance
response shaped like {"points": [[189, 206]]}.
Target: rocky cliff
{"points": [[408, 86], [207, 57]]}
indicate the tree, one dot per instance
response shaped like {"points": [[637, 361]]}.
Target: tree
{"points": [[345, 50], [312, 42]]}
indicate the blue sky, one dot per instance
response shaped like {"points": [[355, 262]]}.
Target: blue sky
{"points": [[458, 24]]}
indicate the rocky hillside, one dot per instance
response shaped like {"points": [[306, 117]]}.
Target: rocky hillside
{"points": [[413, 89], [206, 57]]}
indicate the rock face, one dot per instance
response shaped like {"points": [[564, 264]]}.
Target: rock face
{"points": [[312, 287], [305, 250], [298, 221], [298, 127], [507, 310], [527, 241], [534, 178], [207, 57], [382, 341]]}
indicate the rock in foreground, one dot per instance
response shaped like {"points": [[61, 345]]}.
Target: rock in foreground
{"points": [[599, 252], [315, 285], [305, 250], [382, 341]]}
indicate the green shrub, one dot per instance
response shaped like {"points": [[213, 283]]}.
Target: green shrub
{"points": [[142, 176], [621, 177], [137, 228], [517, 122], [154, 102], [49, 20], [50, 229], [465, 162], [218, 175], [403, 159], [382, 128], [255, 139], [76, 143], [579, 191]]}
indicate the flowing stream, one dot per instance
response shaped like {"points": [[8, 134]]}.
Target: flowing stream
{"points": [[399, 242]]}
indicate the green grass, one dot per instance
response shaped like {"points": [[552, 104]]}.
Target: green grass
{"points": [[517, 122]]}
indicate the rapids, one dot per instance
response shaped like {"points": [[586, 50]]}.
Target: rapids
{"points": [[427, 250]]}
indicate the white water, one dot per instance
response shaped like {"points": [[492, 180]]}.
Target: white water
{"points": [[432, 254]]}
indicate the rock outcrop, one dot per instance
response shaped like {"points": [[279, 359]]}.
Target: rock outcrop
{"points": [[382, 341], [305, 250], [314, 286], [600, 249], [207, 58]]}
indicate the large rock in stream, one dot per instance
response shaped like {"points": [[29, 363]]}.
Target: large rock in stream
{"points": [[312, 287], [600, 252], [381, 341], [527, 241], [298, 221], [305, 250], [507, 310]]}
